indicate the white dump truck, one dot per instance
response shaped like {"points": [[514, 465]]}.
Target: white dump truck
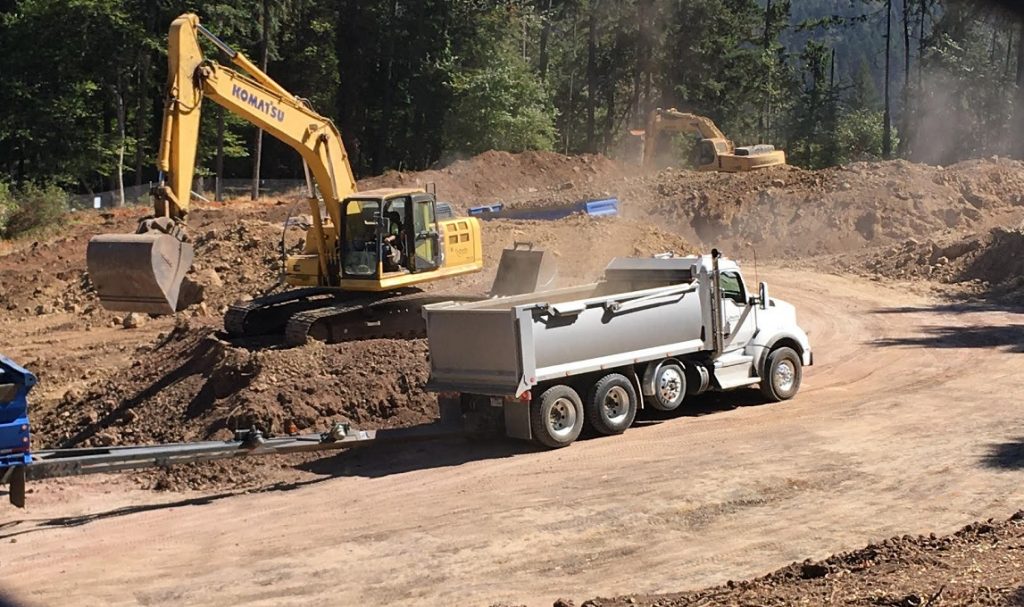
{"points": [[652, 332]]}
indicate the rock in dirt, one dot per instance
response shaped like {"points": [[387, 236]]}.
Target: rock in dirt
{"points": [[133, 320]]}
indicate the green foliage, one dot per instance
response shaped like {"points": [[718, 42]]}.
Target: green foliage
{"points": [[31, 210], [7, 206], [864, 93], [502, 106], [812, 138], [859, 135], [411, 83], [713, 62]]}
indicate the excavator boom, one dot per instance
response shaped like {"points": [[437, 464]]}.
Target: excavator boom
{"points": [[143, 272]]}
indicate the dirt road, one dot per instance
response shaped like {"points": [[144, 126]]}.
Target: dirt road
{"points": [[909, 423]]}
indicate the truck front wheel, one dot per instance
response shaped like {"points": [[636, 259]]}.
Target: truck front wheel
{"points": [[612, 404], [556, 417], [669, 387], [782, 373]]}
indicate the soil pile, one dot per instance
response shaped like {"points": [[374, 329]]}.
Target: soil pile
{"points": [[192, 385], [787, 212], [978, 565], [992, 261], [510, 178], [237, 248]]}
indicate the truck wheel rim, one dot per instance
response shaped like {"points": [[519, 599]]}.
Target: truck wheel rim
{"points": [[616, 404], [562, 417], [669, 385], [785, 375]]}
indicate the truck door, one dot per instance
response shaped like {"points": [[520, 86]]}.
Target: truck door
{"points": [[426, 239], [738, 319]]}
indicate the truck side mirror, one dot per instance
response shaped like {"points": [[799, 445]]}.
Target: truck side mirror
{"points": [[762, 294]]}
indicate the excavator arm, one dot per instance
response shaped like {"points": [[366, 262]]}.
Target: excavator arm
{"points": [[143, 272]]}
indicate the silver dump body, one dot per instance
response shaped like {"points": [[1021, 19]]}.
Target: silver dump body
{"points": [[643, 309]]}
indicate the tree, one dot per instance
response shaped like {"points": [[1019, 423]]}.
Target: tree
{"points": [[501, 106], [887, 115]]}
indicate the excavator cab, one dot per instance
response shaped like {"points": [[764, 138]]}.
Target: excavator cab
{"points": [[389, 235]]}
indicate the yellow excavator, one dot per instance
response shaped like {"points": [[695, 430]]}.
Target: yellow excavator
{"points": [[357, 275], [714, 151]]}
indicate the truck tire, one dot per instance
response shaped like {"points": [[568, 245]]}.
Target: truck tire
{"points": [[556, 417], [612, 404], [669, 388], [782, 373]]}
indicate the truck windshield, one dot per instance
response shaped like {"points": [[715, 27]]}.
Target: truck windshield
{"points": [[732, 288]]}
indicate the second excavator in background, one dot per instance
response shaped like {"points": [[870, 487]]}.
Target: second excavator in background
{"points": [[357, 276], [714, 151]]}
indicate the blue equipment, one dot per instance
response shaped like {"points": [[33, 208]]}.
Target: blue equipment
{"points": [[15, 445]]}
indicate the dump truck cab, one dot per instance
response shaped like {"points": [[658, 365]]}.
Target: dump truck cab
{"points": [[390, 238]]}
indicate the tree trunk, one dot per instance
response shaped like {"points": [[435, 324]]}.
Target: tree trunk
{"points": [[762, 120], [1020, 89], [920, 46], [1009, 52], [592, 76], [264, 60], [218, 194], [609, 119], [1020, 59], [905, 110], [144, 99], [545, 35], [119, 98], [140, 115], [380, 156], [887, 116]]}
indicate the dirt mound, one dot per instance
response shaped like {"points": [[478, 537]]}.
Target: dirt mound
{"points": [[192, 385], [788, 212], [992, 261], [978, 565], [238, 251], [510, 178]]}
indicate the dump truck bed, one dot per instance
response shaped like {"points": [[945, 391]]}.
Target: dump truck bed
{"points": [[643, 309]]}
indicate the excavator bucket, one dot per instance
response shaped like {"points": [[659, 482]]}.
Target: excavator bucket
{"points": [[139, 272], [523, 269]]}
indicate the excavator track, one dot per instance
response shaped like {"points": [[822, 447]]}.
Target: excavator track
{"points": [[393, 316], [271, 313]]}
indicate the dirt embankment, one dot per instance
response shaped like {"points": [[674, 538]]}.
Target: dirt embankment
{"points": [[982, 564], [787, 212], [510, 178]]}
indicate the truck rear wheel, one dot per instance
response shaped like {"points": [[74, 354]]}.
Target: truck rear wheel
{"points": [[556, 417], [612, 404], [782, 373]]}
